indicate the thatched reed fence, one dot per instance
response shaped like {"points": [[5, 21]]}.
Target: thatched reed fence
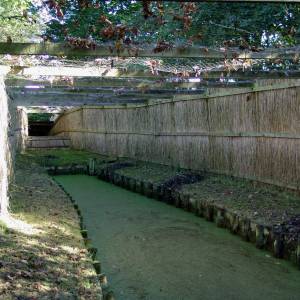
{"points": [[252, 133]]}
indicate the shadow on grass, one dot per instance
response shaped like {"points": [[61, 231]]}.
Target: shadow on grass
{"points": [[33, 268]]}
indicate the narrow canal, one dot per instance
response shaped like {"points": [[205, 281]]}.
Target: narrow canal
{"points": [[151, 250]]}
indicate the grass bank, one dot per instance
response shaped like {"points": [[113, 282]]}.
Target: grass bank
{"points": [[52, 262]]}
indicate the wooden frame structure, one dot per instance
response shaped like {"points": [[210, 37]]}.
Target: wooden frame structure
{"points": [[63, 49], [65, 86]]}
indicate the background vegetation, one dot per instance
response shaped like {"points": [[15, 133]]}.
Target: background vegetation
{"points": [[215, 23], [128, 21]]}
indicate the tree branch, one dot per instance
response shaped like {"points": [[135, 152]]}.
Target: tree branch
{"points": [[231, 28], [12, 17]]}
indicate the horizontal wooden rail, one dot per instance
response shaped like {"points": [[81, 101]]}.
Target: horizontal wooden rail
{"points": [[129, 86], [208, 134], [47, 109], [46, 137], [62, 49], [127, 78], [99, 92]]}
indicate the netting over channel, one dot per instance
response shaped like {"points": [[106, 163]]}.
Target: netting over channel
{"points": [[186, 67]]}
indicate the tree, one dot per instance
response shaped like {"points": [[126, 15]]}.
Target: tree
{"points": [[18, 21], [213, 23]]}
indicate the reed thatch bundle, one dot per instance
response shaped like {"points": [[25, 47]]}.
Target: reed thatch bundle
{"points": [[252, 134]]}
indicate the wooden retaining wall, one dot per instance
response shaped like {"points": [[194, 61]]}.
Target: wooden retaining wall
{"points": [[253, 133]]}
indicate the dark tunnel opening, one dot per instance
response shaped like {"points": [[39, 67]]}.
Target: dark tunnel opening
{"points": [[40, 124]]}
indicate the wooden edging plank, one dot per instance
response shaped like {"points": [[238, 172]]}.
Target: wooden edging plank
{"points": [[213, 134]]}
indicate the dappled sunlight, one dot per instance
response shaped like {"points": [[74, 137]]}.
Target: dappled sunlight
{"points": [[62, 229], [172, 94], [18, 225], [42, 252], [66, 71], [70, 250]]}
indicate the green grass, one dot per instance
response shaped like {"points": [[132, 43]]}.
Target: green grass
{"points": [[62, 157], [148, 171], [52, 263], [3, 228]]}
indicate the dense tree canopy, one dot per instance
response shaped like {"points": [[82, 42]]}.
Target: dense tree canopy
{"points": [[211, 23], [163, 22], [18, 22]]}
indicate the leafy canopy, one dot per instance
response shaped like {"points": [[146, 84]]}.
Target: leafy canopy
{"points": [[162, 22], [18, 21], [211, 23]]}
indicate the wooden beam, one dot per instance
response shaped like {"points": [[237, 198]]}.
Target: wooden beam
{"points": [[139, 84], [47, 109], [71, 101], [93, 96], [100, 91], [138, 80], [96, 71], [62, 49]]}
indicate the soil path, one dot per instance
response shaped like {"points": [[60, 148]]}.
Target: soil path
{"points": [[150, 250]]}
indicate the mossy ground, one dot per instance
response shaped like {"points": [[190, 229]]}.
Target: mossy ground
{"points": [[151, 250], [53, 262], [62, 157], [263, 203], [151, 172]]}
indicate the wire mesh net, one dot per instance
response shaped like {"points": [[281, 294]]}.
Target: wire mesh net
{"points": [[183, 67]]}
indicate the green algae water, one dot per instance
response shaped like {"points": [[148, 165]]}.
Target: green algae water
{"points": [[151, 250]]}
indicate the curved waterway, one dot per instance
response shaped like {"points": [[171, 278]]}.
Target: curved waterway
{"points": [[151, 250]]}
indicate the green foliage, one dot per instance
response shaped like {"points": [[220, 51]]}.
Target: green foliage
{"points": [[263, 24], [62, 157], [277, 23], [39, 117], [212, 23], [3, 228], [18, 22]]}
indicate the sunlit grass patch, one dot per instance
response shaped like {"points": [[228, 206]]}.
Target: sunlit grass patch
{"points": [[40, 266]]}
